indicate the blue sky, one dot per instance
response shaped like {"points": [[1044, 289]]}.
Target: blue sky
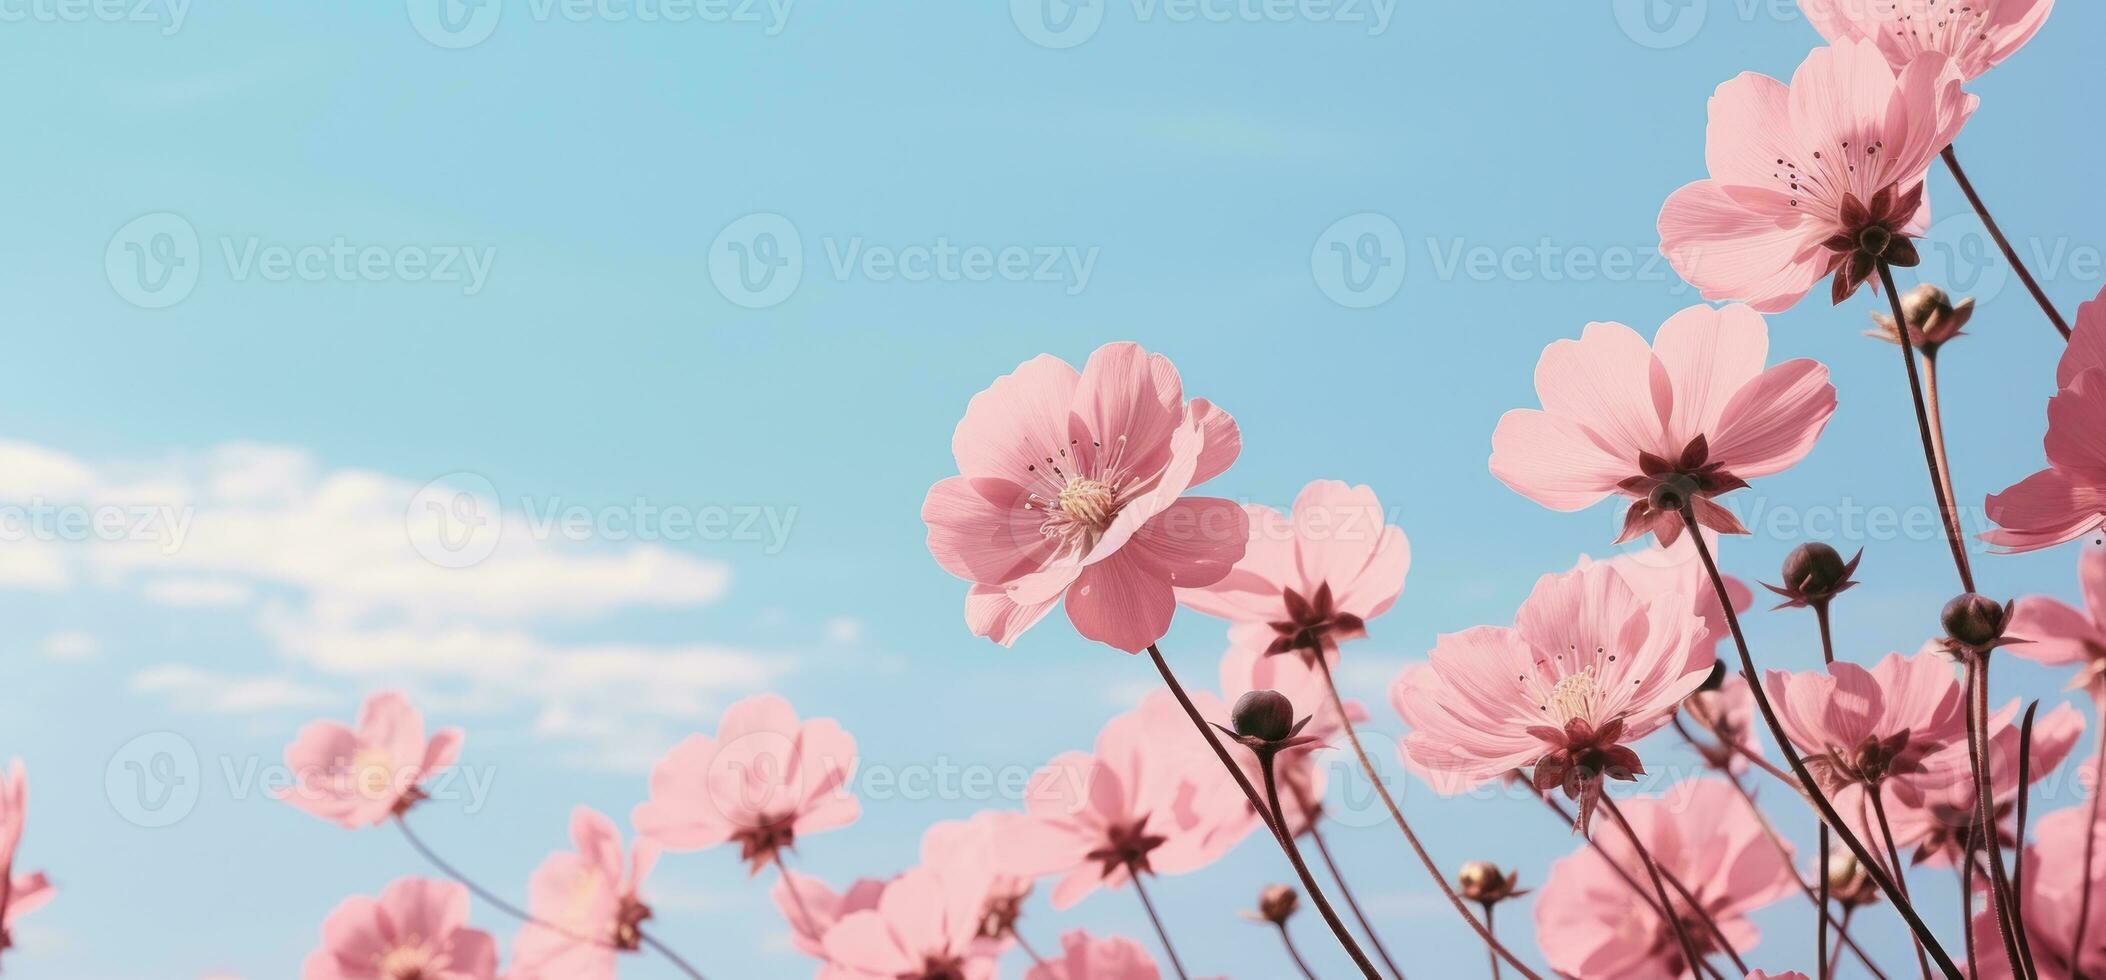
{"points": [[277, 268]]}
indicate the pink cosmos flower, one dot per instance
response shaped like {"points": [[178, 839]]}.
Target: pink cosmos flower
{"points": [[1729, 714], [1679, 569], [417, 930], [1315, 577], [1072, 484], [586, 905], [1151, 799], [2057, 635], [1936, 812], [1592, 927], [1691, 417], [1247, 667], [763, 782], [360, 778], [949, 842], [1588, 668], [814, 908], [2067, 500], [24, 893], [1862, 726], [1815, 178], [926, 926], [1977, 35], [1085, 958], [2054, 881]]}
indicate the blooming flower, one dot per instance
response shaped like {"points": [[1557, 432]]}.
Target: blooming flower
{"points": [[360, 778], [1072, 484], [417, 930], [1247, 667], [585, 903], [1729, 714], [926, 926], [2054, 880], [1937, 815], [1083, 957], [1314, 577], [948, 842], [1977, 35], [1679, 569], [2054, 634], [1861, 726], [2068, 499], [1592, 927], [814, 907], [762, 782], [1818, 178], [1588, 668], [1691, 417], [1151, 799], [25, 893]]}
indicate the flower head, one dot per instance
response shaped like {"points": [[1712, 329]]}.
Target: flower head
{"points": [[1933, 812], [972, 842], [1674, 424], [765, 780], [1931, 317], [1862, 726], [1245, 668], [1814, 574], [1976, 35], [1482, 882], [926, 926], [1276, 904], [360, 778], [813, 908], [1588, 668], [2067, 500], [585, 905], [1728, 713], [1820, 178], [416, 930], [1083, 957], [1073, 485]]}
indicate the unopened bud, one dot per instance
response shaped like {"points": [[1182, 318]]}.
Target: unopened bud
{"points": [[1813, 574], [1278, 903], [1482, 882], [1264, 715], [1931, 315], [1974, 621]]}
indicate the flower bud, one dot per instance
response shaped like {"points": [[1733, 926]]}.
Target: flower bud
{"points": [[1264, 715], [1813, 574], [1975, 622], [1278, 903], [1482, 882], [1931, 315]]}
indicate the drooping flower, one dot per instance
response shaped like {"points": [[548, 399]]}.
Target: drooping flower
{"points": [[1977, 35], [814, 908], [1820, 178], [1933, 812], [360, 778], [2067, 500], [1083, 957], [25, 893], [926, 926], [586, 905], [1072, 484], [1314, 577], [1247, 667], [1152, 799], [1592, 927], [1588, 668], [2053, 882], [2054, 634], [417, 930], [1689, 418], [764, 781], [1861, 726]]}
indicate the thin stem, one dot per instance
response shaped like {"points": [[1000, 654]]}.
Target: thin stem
{"points": [[1791, 755], [1937, 418], [1652, 870], [667, 952], [1025, 945], [1952, 163], [1323, 850], [1368, 766], [2025, 784], [2091, 836], [1301, 868], [1967, 903], [1953, 536], [1495, 931], [811, 924], [1638, 891], [1886, 833], [1820, 608], [1296, 955], [1160, 932], [1842, 931], [1250, 793], [1978, 751]]}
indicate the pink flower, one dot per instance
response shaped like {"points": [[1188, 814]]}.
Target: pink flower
{"points": [[1815, 178], [1588, 668], [1151, 799], [1072, 485], [2067, 500], [1679, 569], [1592, 927], [2055, 635], [586, 903], [1085, 958], [25, 893], [418, 930], [1861, 726], [1729, 714], [763, 782], [1247, 667], [1313, 578], [1977, 35], [360, 778], [1691, 417], [2054, 880], [814, 907], [1935, 815], [926, 926], [949, 842]]}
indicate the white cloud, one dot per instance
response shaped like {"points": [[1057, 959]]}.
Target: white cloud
{"points": [[844, 630], [195, 592], [72, 645], [204, 692]]}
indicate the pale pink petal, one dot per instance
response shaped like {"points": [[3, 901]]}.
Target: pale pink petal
{"points": [[1124, 602], [1773, 421], [1604, 381], [1554, 461], [1709, 355], [990, 612], [1020, 419], [1730, 250]]}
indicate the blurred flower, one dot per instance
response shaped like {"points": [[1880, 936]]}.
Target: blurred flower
{"points": [[973, 840], [2052, 633], [1977, 36], [2068, 499], [1085, 958], [417, 930], [1931, 316], [360, 778], [25, 893], [586, 905], [926, 926], [1934, 811], [1728, 712], [1848, 882], [1858, 725], [2053, 882], [1276, 904], [764, 781], [814, 907], [1482, 882]]}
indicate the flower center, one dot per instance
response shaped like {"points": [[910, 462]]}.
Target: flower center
{"points": [[373, 773], [412, 962], [1090, 503], [1574, 696]]}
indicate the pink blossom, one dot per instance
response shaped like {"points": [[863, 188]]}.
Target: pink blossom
{"points": [[417, 930], [1729, 714], [1933, 812], [1678, 568], [2054, 880], [1691, 417], [2054, 634], [1247, 667], [1805, 176], [764, 781], [1072, 484], [1083, 957], [360, 778], [1588, 668], [1315, 577], [814, 907], [973, 843], [1858, 725], [1977, 35], [586, 904], [25, 893], [926, 926], [2067, 500], [1591, 925], [1151, 799]]}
